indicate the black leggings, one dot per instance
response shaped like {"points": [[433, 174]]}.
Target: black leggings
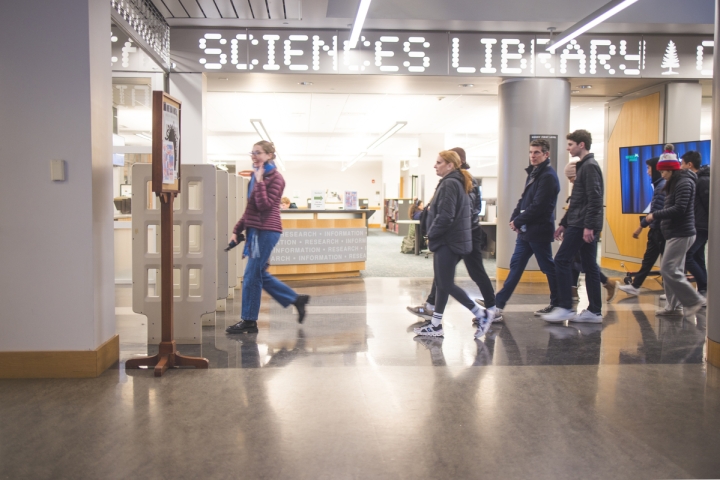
{"points": [[444, 263], [476, 270]]}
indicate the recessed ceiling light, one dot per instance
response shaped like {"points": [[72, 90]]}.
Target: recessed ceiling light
{"points": [[305, 83], [466, 85], [574, 91], [585, 86]]}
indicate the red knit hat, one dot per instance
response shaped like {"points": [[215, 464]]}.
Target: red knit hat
{"points": [[668, 160]]}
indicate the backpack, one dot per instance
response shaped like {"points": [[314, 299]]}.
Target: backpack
{"points": [[408, 242]]}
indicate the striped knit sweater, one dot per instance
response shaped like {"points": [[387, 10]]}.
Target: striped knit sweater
{"points": [[263, 207]]}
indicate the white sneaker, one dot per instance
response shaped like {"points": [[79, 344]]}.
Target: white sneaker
{"points": [[497, 314], [421, 311], [484, 324], [430, 331], [586, 316], [663, 297], [630, 290], [559, 315]]}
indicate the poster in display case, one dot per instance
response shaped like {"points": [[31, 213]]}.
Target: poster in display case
{"points": [[166, 143]]}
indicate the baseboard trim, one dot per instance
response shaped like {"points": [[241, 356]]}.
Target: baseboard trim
{"points": [[713, 353], [619, 265], [60, 364], [528, 276]]}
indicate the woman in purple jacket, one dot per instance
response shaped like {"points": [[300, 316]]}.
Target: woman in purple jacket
{"points": [[261, 222]]}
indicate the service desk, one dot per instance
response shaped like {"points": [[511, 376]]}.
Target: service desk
{"points": [[321, 244]]}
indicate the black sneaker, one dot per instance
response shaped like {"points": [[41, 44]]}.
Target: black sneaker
{"points": [[243, 326], [543, 311], [300, 303]]}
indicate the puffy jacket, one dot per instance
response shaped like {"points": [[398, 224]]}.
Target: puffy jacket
{"points": [[263, 206], [658, 202], [702, 198], [475, 205], [534, 215], [678, 215], [586, 201], [448, 216]]}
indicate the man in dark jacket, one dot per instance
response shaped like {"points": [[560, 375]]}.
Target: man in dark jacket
{"points": [[656, 241], [579, 230], [534, 221], [695, 258]]}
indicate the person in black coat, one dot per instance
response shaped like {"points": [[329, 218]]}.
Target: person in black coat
{"points": [[695, 258], [534, 221], [678, 227], [449, 231], [473, 260], [579, 230], [656, 241]]}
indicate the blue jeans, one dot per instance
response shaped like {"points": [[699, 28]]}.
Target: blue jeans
{"points": [[695, 260], [523, 251], [257, 278], [572, 243]]}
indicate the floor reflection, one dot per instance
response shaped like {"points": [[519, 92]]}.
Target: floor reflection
{"points": [[363, 322]]}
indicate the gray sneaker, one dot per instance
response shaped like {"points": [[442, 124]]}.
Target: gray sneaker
{"points": [[544, 311], [421, 312]]}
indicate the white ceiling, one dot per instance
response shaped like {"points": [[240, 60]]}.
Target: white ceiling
{"points": [[646, 16]]}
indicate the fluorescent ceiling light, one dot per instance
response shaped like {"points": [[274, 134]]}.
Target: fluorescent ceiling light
{"points": [[144, 135], [359, 20], [393, 130], [592, 20], [385, 136], [260, 129], [353, 161]]}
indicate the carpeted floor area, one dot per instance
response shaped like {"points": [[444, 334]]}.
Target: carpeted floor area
{"points": [[385, 260]]}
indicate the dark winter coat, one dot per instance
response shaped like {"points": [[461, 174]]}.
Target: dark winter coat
{"points": [[678, 215], [658, 202], [702, 198], [263, 206], [448, 216], [534, 216], [586, 201], [475, 205]]}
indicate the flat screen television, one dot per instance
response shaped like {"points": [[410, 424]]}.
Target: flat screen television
{"points": [[635, 184]]}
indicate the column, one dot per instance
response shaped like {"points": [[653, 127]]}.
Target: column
{"points": [[528, 106], [430, 145], [191, 90], [713, 266], [683, 102], [57, 291]]}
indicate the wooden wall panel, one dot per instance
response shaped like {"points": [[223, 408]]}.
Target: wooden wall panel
{"points": [[638, 124]]}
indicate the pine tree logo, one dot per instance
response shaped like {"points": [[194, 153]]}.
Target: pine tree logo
{"points": [[670, 60]]}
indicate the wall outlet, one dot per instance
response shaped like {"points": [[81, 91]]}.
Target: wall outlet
{"points": [[57, 170]]}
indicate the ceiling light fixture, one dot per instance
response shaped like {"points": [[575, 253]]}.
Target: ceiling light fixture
{"points": [[592, 20], [144, 135], [584, 86], [260, 129], [359, 20], [305, 83], [466, 85], [393, 130]]}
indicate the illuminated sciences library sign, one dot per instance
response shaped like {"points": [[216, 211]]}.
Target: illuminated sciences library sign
{"points": [[440, 53]]}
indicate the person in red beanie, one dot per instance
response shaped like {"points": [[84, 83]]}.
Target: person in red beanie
{"points": [[677, 221]]}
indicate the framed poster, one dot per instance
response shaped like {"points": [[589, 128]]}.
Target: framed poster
{"points": [[166, 143], [351, 200]]}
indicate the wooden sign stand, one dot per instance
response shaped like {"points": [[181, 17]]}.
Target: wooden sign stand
{"points": [[166, 184]]}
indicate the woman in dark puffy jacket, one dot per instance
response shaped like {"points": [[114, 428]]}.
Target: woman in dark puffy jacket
{"points": [[677, 221], [448, 227], [263, 227]]}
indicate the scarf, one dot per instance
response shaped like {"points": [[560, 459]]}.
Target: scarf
{"points": [[251, 247]]}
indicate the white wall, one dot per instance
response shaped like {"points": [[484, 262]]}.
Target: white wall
{"points": [[56, 238], [303, 177]]}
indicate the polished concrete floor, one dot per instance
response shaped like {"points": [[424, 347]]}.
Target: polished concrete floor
{"points": [[352, 394]]}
